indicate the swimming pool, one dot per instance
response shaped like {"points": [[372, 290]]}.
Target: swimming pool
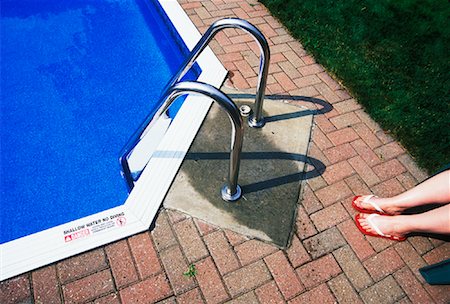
{"points": [[78, 77]]}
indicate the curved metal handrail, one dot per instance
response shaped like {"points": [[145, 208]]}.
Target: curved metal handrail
{"points": [[255, 120], [230, 191]]}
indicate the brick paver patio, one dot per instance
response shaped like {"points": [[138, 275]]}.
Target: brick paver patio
{"points": [[329, 259]]}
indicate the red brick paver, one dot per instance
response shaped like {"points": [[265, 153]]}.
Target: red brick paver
{"points": [[269, 293], [81, 265], [297, 253], [46, 285], [318, 271], [148, 291], [384, 263], [88, 288], [284, 274], [192, 296], [210, 282], [343, 290], [15, 290], [253, 250], [121, 262], [175, 265], [221, 252], [144, 254], [247, 278], [320, 294], [328, 260]]}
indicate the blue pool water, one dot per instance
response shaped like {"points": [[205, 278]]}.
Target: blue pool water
{"points": [[77, 79]]}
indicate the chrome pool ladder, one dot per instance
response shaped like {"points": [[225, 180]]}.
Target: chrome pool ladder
{"points": [[256, 119], [175, 88]]}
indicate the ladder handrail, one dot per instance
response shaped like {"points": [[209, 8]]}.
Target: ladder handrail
{"points": [[255, 120], [230, 191]]}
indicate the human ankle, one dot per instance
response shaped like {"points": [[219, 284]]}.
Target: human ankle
{"points": [[391, 206], [386, 205], [401, 224]]}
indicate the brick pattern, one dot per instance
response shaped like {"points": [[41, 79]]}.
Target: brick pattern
{"points": [[247, 278], [221, 252], [81, 265], [122, 264], [16, 290], [175, 264], [45, 285], [210, 282], [284, 275], [385, 291], [192, 296], [320, 294], [190, 240], [384, 263], [253, 250], [150, 290], [144, 254], [318, 271], [343, 290], [269, 293], [88, 288], [353, 268], [328, 260]]}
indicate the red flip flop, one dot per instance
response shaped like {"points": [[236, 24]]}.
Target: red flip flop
{"points": [[366, 199], [375, 227]]}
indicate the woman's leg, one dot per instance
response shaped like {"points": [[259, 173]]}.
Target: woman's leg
{"points": [[433, 221], [435, 190]]}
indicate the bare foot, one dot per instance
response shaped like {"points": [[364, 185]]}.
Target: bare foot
{"points": [[388, 225], [386, 204]]}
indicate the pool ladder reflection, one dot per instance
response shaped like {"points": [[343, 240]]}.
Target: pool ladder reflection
{"points": [[231, 191]]}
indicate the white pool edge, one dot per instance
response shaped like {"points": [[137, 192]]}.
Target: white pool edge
{"points": [[136, 215]]}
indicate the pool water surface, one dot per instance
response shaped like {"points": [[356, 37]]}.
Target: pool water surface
{"points": [[77, 79]]}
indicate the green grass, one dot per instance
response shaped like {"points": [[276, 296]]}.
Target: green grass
{"points": [[392, 55]]}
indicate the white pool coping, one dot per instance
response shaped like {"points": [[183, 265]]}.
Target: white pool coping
{"points": [[137, 213]]}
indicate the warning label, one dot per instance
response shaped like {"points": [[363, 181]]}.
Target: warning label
{"points": [[96, 226], [102, 226], [76, 235], [121, 221]]}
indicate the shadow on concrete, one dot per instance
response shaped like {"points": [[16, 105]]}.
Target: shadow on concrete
{"points": [[318, 170], [325, 106], [272, 169]]}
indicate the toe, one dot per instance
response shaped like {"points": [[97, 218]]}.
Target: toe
{"points": [[359, 202], [363, 222]]}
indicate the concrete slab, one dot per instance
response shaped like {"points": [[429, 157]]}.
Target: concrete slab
{"points": [[272, 166]]}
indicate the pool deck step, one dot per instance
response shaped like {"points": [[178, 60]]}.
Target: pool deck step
{"points": [[271, 171]]}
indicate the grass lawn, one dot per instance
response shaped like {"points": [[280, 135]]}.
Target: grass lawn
{"points": [[392, 55]]}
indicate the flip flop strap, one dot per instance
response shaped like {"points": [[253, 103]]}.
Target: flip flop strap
{"points": [[372, 224], [374, 205]]}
